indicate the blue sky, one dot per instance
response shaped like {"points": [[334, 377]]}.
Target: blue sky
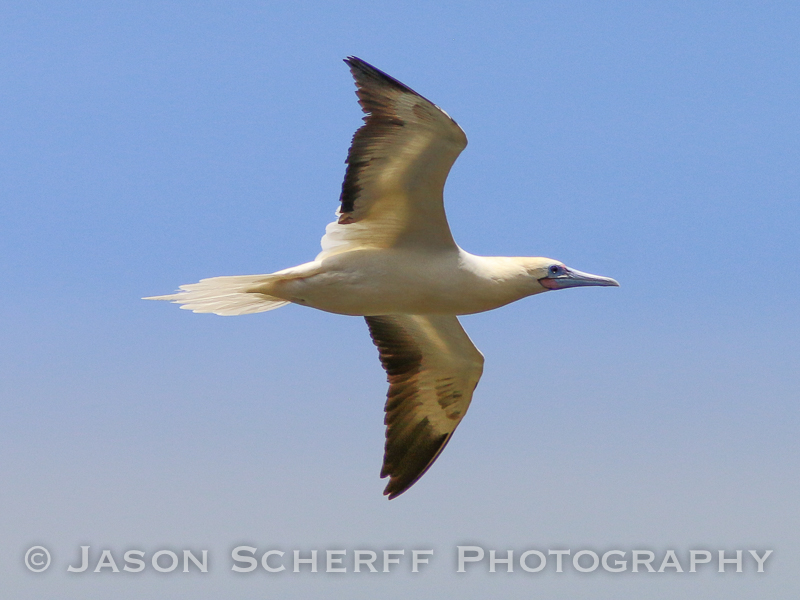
{"points": [[147, 145]]}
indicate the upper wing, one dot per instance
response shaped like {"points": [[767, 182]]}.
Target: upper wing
{"points": [[396, 169], [432, 368]]}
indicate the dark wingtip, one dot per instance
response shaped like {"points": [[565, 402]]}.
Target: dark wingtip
{"points": [[356, 63], [403, 478], [392, 490], [363, 68]]}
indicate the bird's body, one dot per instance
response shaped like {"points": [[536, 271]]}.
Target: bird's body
{"points": [[374, 282], [390, 257]]}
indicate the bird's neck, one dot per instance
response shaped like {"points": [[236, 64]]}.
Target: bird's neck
{"points": [[514, 275]]}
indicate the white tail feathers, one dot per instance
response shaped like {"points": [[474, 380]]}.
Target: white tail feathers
{"points": [[224, 296]]}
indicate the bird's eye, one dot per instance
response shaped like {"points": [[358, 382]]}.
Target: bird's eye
{"points": [[555, 270]]}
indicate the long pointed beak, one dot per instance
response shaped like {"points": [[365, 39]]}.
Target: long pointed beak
{"points": [[570, 278]]}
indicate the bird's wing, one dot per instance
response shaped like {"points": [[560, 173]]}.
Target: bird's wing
{"points": [[433, 368], [396, 169]]}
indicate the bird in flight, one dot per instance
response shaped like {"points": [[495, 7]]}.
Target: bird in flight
{"points": [[390, 257]]}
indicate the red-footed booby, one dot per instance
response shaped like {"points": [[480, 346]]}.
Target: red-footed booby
{"points": [[390, 257]]}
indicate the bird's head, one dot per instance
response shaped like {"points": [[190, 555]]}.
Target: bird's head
{"points": [[555, 275]]}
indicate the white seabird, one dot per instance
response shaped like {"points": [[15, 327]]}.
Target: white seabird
{"points": [[390, 257]]}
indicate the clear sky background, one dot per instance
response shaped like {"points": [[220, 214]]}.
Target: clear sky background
{"points": [[147, 145]]}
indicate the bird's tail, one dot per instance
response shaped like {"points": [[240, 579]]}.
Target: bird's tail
{"points": [[225, 296]]}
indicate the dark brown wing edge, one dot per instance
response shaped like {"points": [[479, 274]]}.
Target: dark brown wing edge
{"points": [[411, 448]]}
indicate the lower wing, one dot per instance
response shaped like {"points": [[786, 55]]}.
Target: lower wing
{"points": [[432, 367]]}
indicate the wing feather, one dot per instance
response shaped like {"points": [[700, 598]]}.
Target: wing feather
{"points": [[397, 165], [432, 367]]}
